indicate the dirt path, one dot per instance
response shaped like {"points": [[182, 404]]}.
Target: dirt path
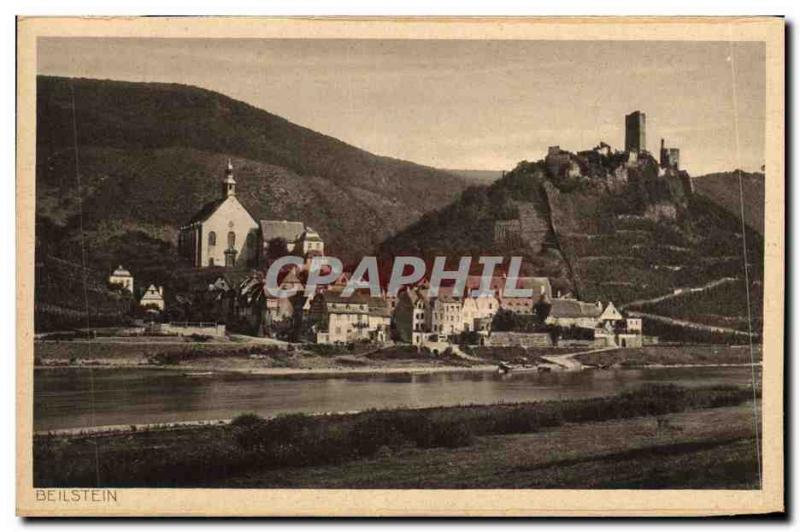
{"points": [[690, 324], [681, 292], [568, 361]]}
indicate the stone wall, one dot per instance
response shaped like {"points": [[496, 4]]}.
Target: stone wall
{"points": [[187, 329], [518, 339]]}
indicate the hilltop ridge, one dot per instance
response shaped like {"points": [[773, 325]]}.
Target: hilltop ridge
{"points": [[150, 154], [606, 225]]}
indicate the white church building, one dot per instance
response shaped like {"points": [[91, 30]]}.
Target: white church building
{"points": [[224, 233]]}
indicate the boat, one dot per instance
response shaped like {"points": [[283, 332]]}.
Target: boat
{"points": [[504, 367]]}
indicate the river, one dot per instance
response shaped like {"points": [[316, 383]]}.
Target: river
{"points": [[83, 397]]}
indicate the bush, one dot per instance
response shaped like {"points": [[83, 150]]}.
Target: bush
{"points": [[370, 434], [250, 443], [247, 420]]}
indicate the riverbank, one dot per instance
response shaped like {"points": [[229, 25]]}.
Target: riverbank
{"points": [[674, 356], [246, 357], [544, 444], [264, 359]]}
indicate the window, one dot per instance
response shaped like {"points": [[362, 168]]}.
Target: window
{"points": [[211, 261], [212, 238], [231, 239]]}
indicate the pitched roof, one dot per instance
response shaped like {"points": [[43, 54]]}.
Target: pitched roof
{"points": [[359, 297], [539, 285], [121, 272], [151, 293], [311, 235], [289, 231], [206, 211], [572, 308], [611, 313], [378, 307]]}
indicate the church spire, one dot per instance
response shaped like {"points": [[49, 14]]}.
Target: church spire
{"points": [[229, 183]]}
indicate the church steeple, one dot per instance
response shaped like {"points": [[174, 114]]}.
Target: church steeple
{"points": [[229, 183]]}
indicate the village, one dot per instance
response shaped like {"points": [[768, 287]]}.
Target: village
{"points": [[231, 250], [439, 263]]}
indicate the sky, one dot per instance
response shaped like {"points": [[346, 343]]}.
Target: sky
{"points": [[466, 104]]}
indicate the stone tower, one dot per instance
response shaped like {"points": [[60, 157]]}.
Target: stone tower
{"points": [[669, 157], [634, 132]]}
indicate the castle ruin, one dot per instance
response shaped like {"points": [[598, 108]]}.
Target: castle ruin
{"points": [[635, 140]]}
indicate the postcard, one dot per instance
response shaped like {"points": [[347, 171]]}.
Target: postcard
{"points": [[400, 267]]}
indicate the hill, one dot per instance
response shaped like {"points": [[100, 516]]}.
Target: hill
{"points": [[478, 177], [723, 189], [121, 166], [609, 230]]}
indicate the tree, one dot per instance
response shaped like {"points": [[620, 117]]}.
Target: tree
{"points": [[541, 310], [276, 248], [504, 320]]}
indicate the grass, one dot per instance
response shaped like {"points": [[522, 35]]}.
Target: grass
{"points": [[672, 355], [721, 306], [700, 449], [211, 455]]}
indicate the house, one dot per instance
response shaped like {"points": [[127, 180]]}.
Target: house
{"points": [[610, 315], [300, 239], [409, 315], [443, 312], [476, 310], [224, 233], [123, 278], [633, 325], [380, 319], [539, 287], [340, 319], [153, 297], [568, 312], [417, 312]]}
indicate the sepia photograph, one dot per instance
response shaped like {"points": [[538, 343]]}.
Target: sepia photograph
{"points": [[289, 258]]}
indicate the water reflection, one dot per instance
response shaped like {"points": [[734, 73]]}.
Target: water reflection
{"points": [[65, 398]]}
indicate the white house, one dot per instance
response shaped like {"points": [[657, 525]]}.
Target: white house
{"points": [[443, 312], [341, 319], [122, 277], [153, 297]]}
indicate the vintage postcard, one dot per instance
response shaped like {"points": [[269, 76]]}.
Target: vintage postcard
{"points": [[400, 267]]}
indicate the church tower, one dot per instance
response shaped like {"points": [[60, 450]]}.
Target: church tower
{"points": [[229, 183]]}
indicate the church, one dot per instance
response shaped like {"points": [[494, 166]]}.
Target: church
{"points": [[224, 233]]}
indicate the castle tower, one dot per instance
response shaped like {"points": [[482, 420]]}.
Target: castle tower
{"points": [[669, 157], [229, 183], [635, 132]]}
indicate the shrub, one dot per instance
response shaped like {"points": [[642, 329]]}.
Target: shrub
{"points": [[250, 443], [247, 420], [371, 433]]}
